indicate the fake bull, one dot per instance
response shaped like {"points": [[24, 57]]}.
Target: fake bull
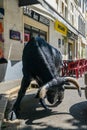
{"points": [[42, 62]]}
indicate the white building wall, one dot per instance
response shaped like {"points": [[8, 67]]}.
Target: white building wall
{"points": [[76, 18], [13, 19], [54, 35], [59, 6], [52, 3]]}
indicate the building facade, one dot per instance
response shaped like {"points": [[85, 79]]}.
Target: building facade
{"points": [[66, 32], [72, 14]]}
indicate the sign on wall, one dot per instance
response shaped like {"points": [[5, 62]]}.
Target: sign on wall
{"points": [[15, 35], [32, 14], [60, 28]]}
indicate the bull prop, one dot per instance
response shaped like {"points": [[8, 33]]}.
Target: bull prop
{"points": [[53, 95], [42, 62]]}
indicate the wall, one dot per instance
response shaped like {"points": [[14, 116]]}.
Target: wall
{"points": [[53, 35], [13, 20], [53, 40]]}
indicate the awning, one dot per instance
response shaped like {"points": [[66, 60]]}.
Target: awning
{"points": [[28, 2], [41, 10]]}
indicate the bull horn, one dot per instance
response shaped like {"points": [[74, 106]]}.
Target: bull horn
{"points": [[44, 89], [42, 95], [72, 80], [43, 92]]}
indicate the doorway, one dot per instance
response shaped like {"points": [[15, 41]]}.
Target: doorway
{"points": [[70, 53]]}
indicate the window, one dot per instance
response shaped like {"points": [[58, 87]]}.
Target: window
{"points": [[72, 7], [62, 8], [66, 1], [32, 31], [63, 42], [66, 13], [72, 19], [83, 8], [81, 25], [59, 43], [79, 4], [57, 2]]}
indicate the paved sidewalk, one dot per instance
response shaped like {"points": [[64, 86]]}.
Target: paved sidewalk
{"points": [[8, 85], [7, 88]]}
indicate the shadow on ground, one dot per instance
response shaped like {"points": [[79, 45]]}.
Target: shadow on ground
{"points": [[32, 111], [34, 115], [79, 112]]}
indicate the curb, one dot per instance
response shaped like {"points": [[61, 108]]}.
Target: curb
{"points": [[3, 104]]}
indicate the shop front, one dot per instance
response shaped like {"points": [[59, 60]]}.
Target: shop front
{"points": [[83, 48], [72, 45], [35, 25], [61, 30]]}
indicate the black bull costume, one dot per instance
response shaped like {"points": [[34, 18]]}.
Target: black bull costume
{"points": [[42, 62]]}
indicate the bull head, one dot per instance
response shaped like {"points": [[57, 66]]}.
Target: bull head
{"points": [[44, 90]]}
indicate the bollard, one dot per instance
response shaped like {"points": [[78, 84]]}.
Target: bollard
{"points": [[3, 67], [85, 80]]}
